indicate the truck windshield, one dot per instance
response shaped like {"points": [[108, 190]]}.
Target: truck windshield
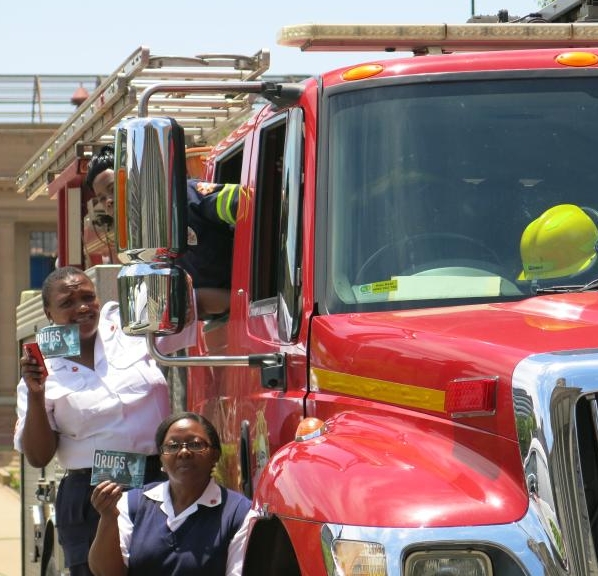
{"points": [[460, 192]]}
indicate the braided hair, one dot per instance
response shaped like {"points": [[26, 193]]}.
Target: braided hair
{"points": [[99, 162]]}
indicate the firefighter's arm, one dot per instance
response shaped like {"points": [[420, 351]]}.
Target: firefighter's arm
{"points": [[217, 203], [105, 558], [39, 440]]}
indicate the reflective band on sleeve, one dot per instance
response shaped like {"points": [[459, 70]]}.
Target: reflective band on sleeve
{"points": [[226, 198]]}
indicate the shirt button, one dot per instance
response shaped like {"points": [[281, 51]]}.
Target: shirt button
{"points": [[75, 369]]}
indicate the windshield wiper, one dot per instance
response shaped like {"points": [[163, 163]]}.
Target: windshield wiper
{"points": [[592, 285]]}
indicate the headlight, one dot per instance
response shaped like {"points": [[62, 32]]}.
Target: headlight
{"points": [[355, 558], [448, 563]]}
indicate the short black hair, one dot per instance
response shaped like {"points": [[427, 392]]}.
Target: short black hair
{"points": [[99, 162], [56, 275], [208, 427]]}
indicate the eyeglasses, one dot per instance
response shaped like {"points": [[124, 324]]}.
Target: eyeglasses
{"points": [[196, 446]]}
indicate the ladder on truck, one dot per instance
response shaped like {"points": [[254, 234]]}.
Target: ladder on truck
{"points": [[204, 117]]}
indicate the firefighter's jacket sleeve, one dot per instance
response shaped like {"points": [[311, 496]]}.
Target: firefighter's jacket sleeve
{"points": [[212, 215], [214, 202]]}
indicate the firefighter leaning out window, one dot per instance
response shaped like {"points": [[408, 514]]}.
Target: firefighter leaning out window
{"points": [[212, 213]]}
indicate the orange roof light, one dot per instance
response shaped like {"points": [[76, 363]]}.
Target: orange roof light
{"points": [[361, 72], [577, 59]]}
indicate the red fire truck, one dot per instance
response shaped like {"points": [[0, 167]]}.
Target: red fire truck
{"points": [[406, 381]]}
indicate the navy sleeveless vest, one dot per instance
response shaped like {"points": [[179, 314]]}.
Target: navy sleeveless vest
{"points": [[198, 546]]}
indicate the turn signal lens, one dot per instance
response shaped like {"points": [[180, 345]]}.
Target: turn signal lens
{"points": [[121, 207], [354, 558], [309, 428], [437, 563]]}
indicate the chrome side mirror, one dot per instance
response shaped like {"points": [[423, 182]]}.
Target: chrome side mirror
{"points": [[151, 225], [150, 190]]}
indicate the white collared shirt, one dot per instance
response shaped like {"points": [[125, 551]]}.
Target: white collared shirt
{"points": [[116, 406], [211, 497]]}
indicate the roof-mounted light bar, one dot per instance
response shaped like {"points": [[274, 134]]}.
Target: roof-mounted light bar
{"points": [[437, 37]]}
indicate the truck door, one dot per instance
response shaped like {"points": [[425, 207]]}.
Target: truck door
{"points": [[266, 308]]}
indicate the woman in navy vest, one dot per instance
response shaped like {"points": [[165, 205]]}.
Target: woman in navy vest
{"points": [[185, 525]]}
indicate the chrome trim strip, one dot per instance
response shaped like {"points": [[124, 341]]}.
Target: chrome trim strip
{"points": [[525, 543]]}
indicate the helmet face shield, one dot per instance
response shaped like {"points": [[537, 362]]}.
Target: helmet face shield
{"points": [[561, 242]]}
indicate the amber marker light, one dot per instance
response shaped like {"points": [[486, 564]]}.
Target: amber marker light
{"points": [[308, 428], [577, 59], [122, 208], [361, 72], [471, 396]]}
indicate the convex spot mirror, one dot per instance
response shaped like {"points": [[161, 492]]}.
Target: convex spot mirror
{"points": [[154, 298]]}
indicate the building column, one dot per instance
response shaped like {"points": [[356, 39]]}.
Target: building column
{"points": [[8, 344]]}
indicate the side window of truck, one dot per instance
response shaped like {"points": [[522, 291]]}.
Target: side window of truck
{"points": [[267, 210], [277, 234], [228, 169]]}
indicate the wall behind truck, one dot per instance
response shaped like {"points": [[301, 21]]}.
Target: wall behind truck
{"points": [[18, 218]]}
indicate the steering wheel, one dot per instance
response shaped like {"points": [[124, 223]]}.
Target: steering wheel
{"points": [[398, 246]]}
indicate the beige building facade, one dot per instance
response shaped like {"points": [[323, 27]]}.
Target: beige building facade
{"points": [[19, 219]]}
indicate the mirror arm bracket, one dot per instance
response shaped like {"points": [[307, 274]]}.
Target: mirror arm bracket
{"points": [[272, 366]]}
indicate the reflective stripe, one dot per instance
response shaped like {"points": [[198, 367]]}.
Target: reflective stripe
{"points": [[226, 198], [233, 189], [406, 395]]}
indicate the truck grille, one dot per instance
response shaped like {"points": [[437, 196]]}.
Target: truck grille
{"points": [[556, 406], [575, 479], [584, 458]]}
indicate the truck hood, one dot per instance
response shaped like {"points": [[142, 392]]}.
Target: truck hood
{"points": [[389, 446], [421, 351]]}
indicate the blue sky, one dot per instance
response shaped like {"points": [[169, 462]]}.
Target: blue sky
{"points": [[68, 37]]}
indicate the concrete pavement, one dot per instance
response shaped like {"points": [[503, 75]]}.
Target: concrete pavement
{"points": [[10, 532]]}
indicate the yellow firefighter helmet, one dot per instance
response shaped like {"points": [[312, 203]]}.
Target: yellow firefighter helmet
{"points": [[561, 242]]}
